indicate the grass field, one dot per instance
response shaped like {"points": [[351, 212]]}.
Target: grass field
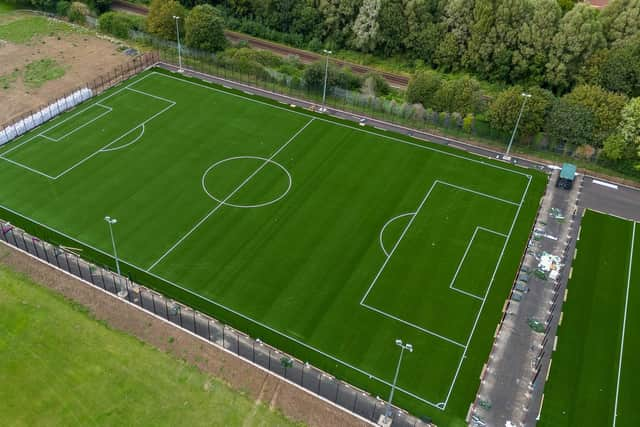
{"points": [[60, 367], [594, 369], [320, 237], [6, 7]]}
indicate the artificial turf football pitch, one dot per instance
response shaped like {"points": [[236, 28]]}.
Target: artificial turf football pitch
{"points": [[323, 238], [594, 371]]}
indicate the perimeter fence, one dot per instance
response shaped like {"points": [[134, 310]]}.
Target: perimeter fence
{"points": [[253, 350], [97, 85]]}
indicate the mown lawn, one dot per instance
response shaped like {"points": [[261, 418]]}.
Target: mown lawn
{"points": [[60, 367]]}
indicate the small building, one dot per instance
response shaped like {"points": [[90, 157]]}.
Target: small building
{"points": [[567, 176]]}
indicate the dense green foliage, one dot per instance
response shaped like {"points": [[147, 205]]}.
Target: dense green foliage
{"points": [[120, 24], [504, 110], [59, 364], [297, 266], [336, 77], [541, 42], [161, 21], [204, 29]]}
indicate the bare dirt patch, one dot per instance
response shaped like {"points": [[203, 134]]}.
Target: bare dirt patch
{"points": [[84, 56], [240, 375]]}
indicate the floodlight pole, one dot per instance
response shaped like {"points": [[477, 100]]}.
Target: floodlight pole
{"points": [[403, 347], [326, 76], [177, 18], [111, 222], [515, 129]]}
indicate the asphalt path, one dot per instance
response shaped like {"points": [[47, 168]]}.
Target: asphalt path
{"points": [[598, 193]]}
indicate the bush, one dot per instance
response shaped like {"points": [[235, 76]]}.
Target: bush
{"points": [[99, 6], [422, 87], [120, 24], [342, 78], [77, 12], [377, 84]]}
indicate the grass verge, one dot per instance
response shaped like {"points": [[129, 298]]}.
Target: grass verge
{"points": [[60, 365]]}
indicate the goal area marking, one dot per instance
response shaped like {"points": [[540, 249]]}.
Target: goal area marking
{"points": [[105, 148]]}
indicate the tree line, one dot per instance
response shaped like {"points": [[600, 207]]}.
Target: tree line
{"points": [[581, 65]]}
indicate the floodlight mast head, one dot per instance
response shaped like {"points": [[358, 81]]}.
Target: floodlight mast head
{"points": [[399, 342], [180, 70], [110, 220]]}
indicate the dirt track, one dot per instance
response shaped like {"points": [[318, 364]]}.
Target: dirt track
{"points": [[305, 56]]}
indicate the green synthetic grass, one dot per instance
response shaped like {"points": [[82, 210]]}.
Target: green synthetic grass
{"points": [[60, 367], [582, 386], [27, 28], [39, 72], [293, 271]]}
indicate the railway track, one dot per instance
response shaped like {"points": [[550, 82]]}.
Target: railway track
{"points": [[305, 56]]}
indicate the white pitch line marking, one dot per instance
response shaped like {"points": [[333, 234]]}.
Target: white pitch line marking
{"points": [[222, 203], [385, 226], [624, 324]]}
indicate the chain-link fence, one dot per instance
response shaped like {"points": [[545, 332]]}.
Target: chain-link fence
{"points": [[392, 110], [253, 350], [96, 85]]}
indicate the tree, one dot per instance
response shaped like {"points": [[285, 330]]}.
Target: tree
{"points": [[625, 142], [424, 32], [605, 108], [569, 124], [338, 18], [503, 111], [534, 42], [457, 22], [366, 26], [160, 19], [494, 37], [579, 36], [392, 27], [422, 87], [307, 21], [621, 20], [204, 29], [630, 126], [616, 69], [460, 96]]}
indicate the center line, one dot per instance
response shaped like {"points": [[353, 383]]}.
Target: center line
{"points": [[238, 188]]}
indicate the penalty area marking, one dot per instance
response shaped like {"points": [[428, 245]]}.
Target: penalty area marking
{"points": [[236, 205]]}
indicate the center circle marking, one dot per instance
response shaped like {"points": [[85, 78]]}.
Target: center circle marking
{"points": [[225, 202]]}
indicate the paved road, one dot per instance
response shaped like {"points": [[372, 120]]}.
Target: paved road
{"points": [[617, 200]]}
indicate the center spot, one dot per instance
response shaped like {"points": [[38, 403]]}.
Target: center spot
{"points": [[246, 181]]}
